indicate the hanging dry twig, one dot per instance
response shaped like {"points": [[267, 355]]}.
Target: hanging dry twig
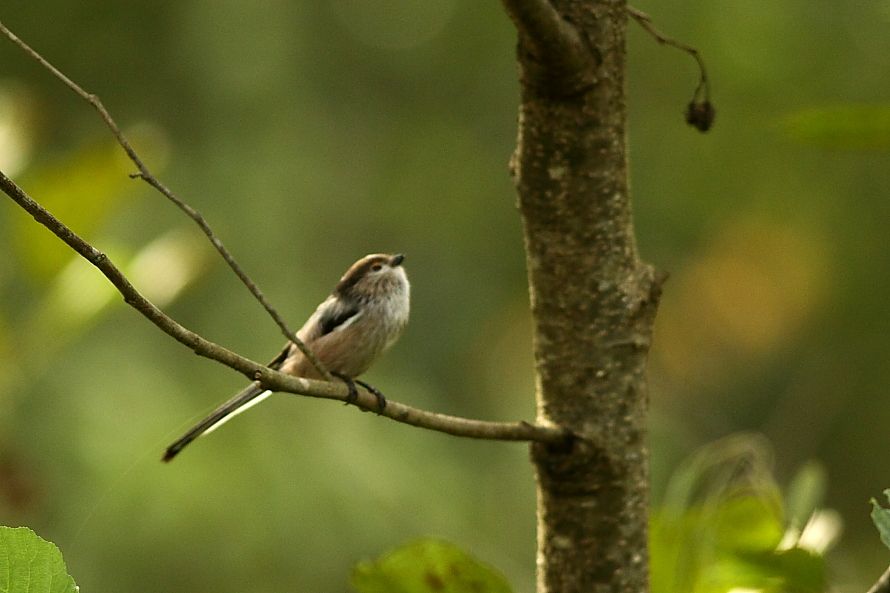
{"points": [[700, 112]]}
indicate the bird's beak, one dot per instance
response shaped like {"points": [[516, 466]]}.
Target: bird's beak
{"points": [[397, 260]]}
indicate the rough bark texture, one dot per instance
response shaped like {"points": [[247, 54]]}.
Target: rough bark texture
{"points": [[593, 303]]}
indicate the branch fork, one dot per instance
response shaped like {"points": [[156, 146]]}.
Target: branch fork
{"points": [[565, 63]]}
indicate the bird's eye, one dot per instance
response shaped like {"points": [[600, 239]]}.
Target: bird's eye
{"points": [[377, 267]]}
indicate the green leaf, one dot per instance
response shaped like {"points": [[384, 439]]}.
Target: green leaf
{"points": [[795, 571], [428, 566], [747, 523], [30, 564], [851, 127], [723, 524], [881, 518], [805, 493], [707, 549]]}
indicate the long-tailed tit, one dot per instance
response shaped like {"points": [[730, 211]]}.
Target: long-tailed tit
{"points": [[363, 317]]}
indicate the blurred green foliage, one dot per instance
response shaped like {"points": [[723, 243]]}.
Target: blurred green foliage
{"points": [[427, 566], [30, 564], [312, 133], [856, 127], [724, 525]]}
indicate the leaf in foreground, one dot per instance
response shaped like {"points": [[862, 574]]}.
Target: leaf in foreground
{"points": [[30, 564], [881, 517], [427, 566]]}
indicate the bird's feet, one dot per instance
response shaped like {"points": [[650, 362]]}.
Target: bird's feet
{"points": [[381, 401], [352, 398]]}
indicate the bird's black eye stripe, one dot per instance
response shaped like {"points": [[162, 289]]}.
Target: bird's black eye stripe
{"points": [[377, 267]]}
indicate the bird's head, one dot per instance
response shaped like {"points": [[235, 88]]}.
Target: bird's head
{"points": [[374, 276]]}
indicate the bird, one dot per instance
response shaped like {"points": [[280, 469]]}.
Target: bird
{"points": [[363, 317]]}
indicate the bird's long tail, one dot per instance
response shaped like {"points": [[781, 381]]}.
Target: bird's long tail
{"points": [[249, 397]]}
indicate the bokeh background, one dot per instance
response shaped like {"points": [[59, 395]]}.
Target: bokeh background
{"points": [[311, 133]]}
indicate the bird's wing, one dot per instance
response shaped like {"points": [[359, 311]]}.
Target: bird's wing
{"points": [[276, 362], [332, 315]]}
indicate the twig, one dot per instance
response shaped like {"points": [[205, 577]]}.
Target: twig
{"points": [[149, 178], [269, 378], [700, 111], [645, 21], [883, 583]]}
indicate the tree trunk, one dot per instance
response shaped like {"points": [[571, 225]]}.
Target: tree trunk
{"points": [[593, 303]]}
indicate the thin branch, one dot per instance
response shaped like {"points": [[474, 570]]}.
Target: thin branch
{"points": [[149, 178], [883, 583], [645, 21], [269, 378]]}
